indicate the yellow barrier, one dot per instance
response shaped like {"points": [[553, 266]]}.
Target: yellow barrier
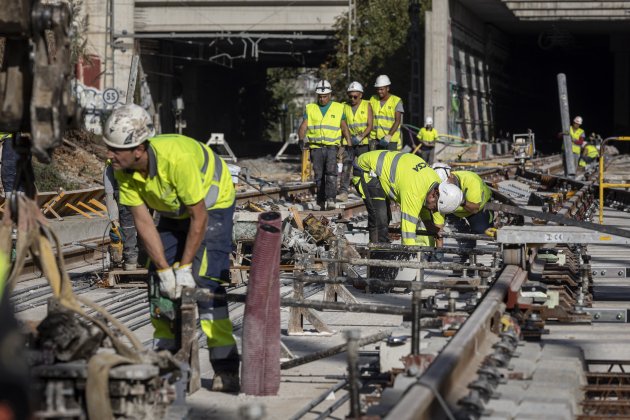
{"points": [[602, 184]]}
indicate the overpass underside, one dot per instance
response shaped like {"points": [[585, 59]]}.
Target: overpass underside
{"points": [[491, 66]]}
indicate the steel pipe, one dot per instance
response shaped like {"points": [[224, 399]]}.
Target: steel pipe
{"points": [[405, 264]]}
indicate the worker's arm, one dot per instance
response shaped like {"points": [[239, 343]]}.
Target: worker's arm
{"points": [[436, 230], [397, 120], [345, 131], [302, 129], [149, 235], [196, 231], [370, 123], [471, 207]]}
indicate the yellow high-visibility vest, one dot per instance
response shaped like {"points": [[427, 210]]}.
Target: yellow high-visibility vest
{"points": [[357, 121], [384, 118], [324, 130]]}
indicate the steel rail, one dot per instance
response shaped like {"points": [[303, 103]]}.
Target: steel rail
{"points": [[421, 400]]}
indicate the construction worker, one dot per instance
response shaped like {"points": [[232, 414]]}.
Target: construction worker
{"points": [[358, 113], [122, 229], [427, 136], [406, 179], [323, 126], [589, 157], [388, 115], [191, 189], [578, 137], [470, 216]]}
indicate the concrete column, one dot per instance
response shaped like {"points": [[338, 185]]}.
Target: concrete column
{"points": [[620, 46], [436, 54], [123, 11], [428, 65]]}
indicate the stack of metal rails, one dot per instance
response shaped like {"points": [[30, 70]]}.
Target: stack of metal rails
{"points": [[425, 338]]}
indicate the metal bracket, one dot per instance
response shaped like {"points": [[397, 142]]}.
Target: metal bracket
{"points": [[609, 272], [607, 314]]}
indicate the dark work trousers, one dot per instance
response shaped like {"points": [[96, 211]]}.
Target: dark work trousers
{"points": [[476, 223], [211, 267], [392, 147], [324, 160], [376, 204], [130, 236], [426, 153], [9, 167], [349, 155]]}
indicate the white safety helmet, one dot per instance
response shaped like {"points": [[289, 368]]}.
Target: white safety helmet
{"points": [[443, 170], [355, 87], [127, 127], [450, 198], [578, 120], [382, 80], [323, 87], [428, 121]]}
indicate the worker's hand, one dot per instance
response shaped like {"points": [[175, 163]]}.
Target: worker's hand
{"points": [[356, 140], [388, 138], [168, 283], [302, 144], [340, 167], [184, 278], [383, 143]]}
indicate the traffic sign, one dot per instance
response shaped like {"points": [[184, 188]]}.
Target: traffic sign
{"points": [[111, 96]]}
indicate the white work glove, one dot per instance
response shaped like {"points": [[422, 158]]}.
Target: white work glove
{"points": [[184, 277], [168, 284], [340, 167], [388, 138]]}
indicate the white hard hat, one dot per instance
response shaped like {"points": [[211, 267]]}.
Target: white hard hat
{"points": [[382, 80], [323, 87], [355, 87], [577, 120], [450, 198], [127, 127], [443, 170], [428, 121]]}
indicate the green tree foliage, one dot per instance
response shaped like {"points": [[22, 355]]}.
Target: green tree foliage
{"points": [[379, 46]]}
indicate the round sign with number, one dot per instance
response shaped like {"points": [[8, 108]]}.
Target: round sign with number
{"points": [[111, 96]]}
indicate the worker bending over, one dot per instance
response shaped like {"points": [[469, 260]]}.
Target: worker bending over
{"points": [[358, 113], [470, 216], [323, 125], [406, 179], [388, 116], [191, 189]]}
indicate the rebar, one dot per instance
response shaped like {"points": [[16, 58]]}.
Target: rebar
{"points": [[405, 264], [333, 350], [352, 337], [382, 283], [316, 401]]}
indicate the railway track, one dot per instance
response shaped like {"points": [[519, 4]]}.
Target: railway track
{"points": [[475, 331]]}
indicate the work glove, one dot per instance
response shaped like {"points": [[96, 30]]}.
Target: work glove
{"points": [[384, 141], [168, 283], [184, 278], [356, 140], [302, 145], [339, 167]]}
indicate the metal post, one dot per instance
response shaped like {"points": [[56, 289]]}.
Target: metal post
{"points": [[563, 95], [415, 311], [353, 372]]}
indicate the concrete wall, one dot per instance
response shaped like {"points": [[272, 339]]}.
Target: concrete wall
{"points": [[459, 47]]}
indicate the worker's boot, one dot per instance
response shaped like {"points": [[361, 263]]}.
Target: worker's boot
{"points": [[130, 263], [342, 196], [330, 205], [226, 382]]}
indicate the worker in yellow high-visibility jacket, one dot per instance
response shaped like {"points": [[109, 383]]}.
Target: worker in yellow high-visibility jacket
{"points": [[427, 136], [323, 127], [191, 188], [407, 180], [359, 118], [388, 116]]}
